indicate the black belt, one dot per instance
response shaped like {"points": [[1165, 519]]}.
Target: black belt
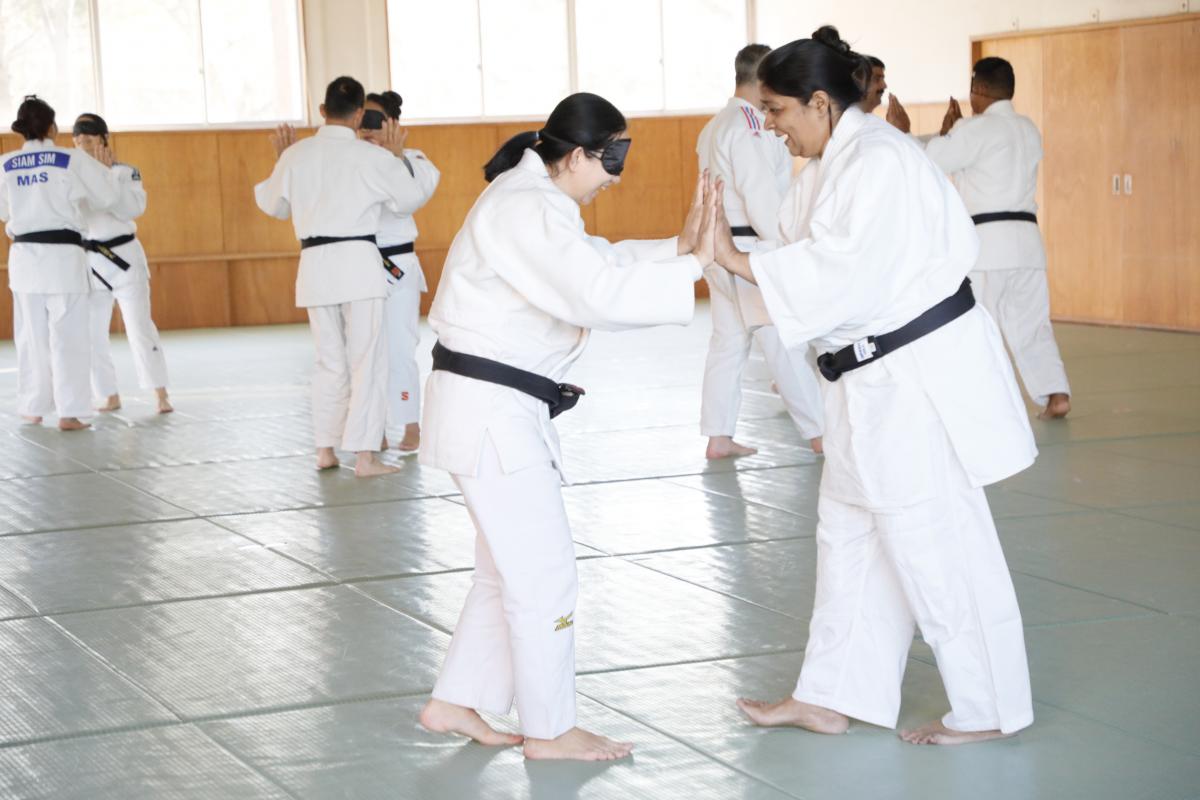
{"points": [[62, 236], [388, 266], [559, 396], [1005, 216], [744, 230], [104, 248], [395, 250], [873, 348]]}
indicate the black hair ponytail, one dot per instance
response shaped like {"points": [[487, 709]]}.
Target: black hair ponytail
{"points": [[34, 119], [823, 63], [581, 120]]}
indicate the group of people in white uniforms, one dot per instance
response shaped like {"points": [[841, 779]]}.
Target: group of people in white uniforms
{"points": [[992, 158], [63, 208], [336, 187]]}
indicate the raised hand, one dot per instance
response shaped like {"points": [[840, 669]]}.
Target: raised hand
{"points": [[897, 116], [283, 137], [724, 250], [705, 249], [953, 115], [393, 137], [103, 153], [695, 216]]}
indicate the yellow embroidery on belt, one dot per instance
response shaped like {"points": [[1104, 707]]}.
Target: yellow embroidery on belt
{"points": [[562, 623]]}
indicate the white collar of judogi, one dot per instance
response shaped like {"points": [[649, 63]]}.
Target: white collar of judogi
{"points": [[336, 132]]}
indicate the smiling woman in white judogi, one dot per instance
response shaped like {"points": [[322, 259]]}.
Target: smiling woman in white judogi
{"points": [[522, 285], [922, 411]]}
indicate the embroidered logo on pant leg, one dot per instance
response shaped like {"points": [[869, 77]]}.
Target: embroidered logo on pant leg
{"points": [[562, 623]]}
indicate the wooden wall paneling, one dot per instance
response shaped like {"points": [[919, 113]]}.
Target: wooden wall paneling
{"points": [[184, 200], [1082, 226], [6, 307], [190, 294], [263, 291], [645, 204], [246, 158], [432, 260], [459, 152], [1159, 145]]}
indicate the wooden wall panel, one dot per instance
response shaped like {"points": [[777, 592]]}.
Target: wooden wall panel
{"points": [[645, 204], [459, 152], [180, 172], [6, 307], [263, 291], [432, 260], [246, 158], [190, 294]]}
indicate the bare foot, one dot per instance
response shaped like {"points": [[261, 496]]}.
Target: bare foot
{"points": [[366, 465], [326, 458], [577, 745], [164, 404], [726, 447], [113, 403], [791, 712], [937, 733], [439, 716], [32, 420], [412, 438], [72, 424], [817, 444], [1058, 406]]}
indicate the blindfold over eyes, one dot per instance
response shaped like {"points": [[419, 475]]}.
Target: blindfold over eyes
{"points": [[89, 127], [612, 158], [373, 120]]}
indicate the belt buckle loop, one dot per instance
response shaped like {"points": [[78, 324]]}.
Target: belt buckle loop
{"points": [[828, 370]]}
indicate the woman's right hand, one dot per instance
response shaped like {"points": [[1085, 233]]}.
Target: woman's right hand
{"points": [[690, 234], [705, 246]]}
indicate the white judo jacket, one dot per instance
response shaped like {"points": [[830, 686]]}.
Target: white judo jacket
{"points": [[523, 284], [396, 228], [879, 237], [45, 188], [334, 184], [118, 220], [993, 159]]}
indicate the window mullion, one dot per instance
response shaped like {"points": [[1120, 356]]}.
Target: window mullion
{"points": [[97, 72], [203, 63], [572, 50]]}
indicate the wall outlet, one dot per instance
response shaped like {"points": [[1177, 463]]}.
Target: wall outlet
{"points": [[1095, 15], [1016, 23]]}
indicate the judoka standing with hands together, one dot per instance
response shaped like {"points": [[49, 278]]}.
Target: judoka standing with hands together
{"points": [[922, 411], [522, 286]]}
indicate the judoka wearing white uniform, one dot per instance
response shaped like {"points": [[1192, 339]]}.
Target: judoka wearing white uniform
{"points": [[905, 534], [757, 170], [126, 281], [335, 186], [406, 284], [42, 201], [522, 285], [993, 160]]}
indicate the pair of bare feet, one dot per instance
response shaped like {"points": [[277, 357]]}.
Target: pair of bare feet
{"points": [[113, 402], [1057, 406], [576, 744], [64, 423], [726, 447], [791, 712], [366, 463]]}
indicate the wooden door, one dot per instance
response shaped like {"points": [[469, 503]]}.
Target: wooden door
{"points": [[1161, 153], [1082, 222]]}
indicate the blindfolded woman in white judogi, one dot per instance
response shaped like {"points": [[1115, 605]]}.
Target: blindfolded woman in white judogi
{"points": [[913, 431], [522, 285]]}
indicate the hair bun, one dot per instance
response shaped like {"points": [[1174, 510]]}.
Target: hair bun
{"points": [[19, 127], [829, 36]]}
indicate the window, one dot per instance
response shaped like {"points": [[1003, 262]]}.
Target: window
{"points": [[145, 64], [518, 58], [46, 49]]}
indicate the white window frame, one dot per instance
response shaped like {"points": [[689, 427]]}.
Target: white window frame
{"points": [[98, 84], [573, 66]]}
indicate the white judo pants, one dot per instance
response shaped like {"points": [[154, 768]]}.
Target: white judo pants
{"points": [[140, 332], [516, 636], [728, 351], [349, 383], [937, 565], [403, 324], [50, 332], [1019, 301]]}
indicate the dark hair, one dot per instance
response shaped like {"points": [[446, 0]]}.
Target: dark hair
{"points": [[343, 97], [35, 118], [581, 120], [875, 62], [745, 63], [390, 102], [997, 75], [824, 62], [89, 124]]}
